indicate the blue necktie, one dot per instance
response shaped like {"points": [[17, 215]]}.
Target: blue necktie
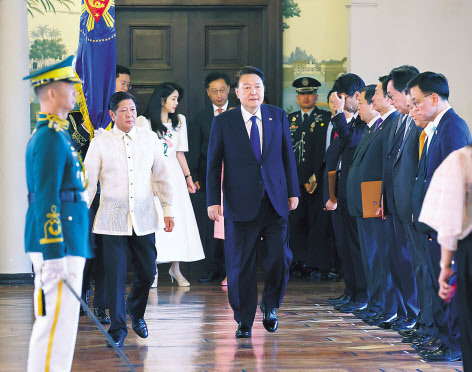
{"points": [[377, 123], [255, 139]]}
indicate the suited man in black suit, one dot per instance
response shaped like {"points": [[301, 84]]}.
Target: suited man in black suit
{"points": [[346, 97], [217, 86], [366, 166], [311, 237], [444, 133], [400, 159]]}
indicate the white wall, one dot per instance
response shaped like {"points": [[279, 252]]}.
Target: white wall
{"points": [[433, 35], [14, 135]]}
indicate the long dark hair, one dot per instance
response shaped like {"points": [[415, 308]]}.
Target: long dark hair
{"points": [[154, 108]]}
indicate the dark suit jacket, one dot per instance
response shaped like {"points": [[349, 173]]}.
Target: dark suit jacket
{"points": [[400, 170], [350, 134], [309, 141], [366, 164], [199, 135], [451, 134], [245, 178]]}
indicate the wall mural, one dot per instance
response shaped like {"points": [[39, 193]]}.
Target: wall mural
{"points": [[314, 45]]}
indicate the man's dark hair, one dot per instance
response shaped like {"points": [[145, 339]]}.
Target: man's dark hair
{"points": [[369, 92], [430, 82], [122, 70], [154, 107], [248, 70], [400, 76], [329, 94], [117, 97], [210, 78], [384, 81], [348, 84]]}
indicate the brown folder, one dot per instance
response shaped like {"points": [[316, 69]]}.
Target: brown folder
{"points": [[371, 194], [332, 186]]}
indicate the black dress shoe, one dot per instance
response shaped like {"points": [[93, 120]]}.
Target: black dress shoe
{"points": [[367, 312], [342, 299], [432, 344], [404, 325], [243, 331], [86, 297], [101, 315], [140, 327], [308, 271], [385, 321], [119, 340], [382, 317], [350, 307], [377, 315], [211, 277], [443, 354], [269, 319]]}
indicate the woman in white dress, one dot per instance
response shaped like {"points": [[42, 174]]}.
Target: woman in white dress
{"points": [[183, 243]]}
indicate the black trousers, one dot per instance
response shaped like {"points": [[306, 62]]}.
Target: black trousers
{"points": [[240, 245], [353, 270], [464, 299], [374, 245], [444, 314], [143, 255], [213, 248], [311, 233], [338, 239]]}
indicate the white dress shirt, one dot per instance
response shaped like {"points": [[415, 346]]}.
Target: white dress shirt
{"points": [[224, 108], [126, 164], [431, 127], [372, 122], [247, 120]]}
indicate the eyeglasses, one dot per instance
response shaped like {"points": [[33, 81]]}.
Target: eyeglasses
{"points": [[127, 86], [417, 103], [390, 96], [216, 91]]}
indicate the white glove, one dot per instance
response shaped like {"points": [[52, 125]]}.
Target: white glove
{"points": [[98, 131], [54, 270]]}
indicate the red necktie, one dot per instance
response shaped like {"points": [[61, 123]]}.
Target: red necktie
{"points": [[220, 110]]}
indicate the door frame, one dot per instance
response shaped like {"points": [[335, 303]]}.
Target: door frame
{"points": [[272, 9]]}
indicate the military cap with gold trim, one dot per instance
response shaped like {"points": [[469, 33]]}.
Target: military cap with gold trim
{"points": [[306, 85], [64, 70]]}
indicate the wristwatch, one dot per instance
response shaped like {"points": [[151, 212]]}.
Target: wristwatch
{"points": [[340, 111], [442, 265]]}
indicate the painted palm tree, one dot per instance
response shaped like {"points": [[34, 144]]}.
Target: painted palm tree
{"points": [[54, 34], [41, 6]]}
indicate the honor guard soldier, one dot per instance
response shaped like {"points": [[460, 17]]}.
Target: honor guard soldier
{"points": [[56, 232], [308, 128]]}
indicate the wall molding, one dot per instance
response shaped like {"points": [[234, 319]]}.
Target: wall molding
{"points": [[357, 3]]}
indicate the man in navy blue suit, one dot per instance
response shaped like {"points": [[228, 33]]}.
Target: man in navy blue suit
{"points": [[260, 186], [444, 133], [345, 97]]}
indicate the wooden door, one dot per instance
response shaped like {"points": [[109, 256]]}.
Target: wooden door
{"points": [[182, 41]]}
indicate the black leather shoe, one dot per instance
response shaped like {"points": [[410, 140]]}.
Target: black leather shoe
{"points": [[443, 354], [377, 315], [432, 344], [404, 325], [211, 277], [367, 312], [119, 340], [382, 317], [352, 306], [140, 327], [243, 331], [342, 299], [384, 322], [101, 315], [269, 319], [86, 297]]}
